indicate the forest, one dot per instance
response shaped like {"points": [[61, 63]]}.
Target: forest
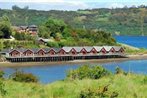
{"points": [[118, 21], [61, 34]]}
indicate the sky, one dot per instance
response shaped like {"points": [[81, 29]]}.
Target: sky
{"points": [[69, 4]]}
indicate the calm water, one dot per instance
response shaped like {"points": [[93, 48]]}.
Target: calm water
{"points": [[48, 74], [137, 41]]}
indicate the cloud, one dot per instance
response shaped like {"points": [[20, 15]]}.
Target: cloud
{"points": [[115, 5], [33, 1], [69, 4]]}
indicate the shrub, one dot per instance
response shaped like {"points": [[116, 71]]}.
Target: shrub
{"points": [[52, 44], [98, 72], [93, 72], [2, 74], [20, 76], [145, 80], [118, 70], [101, 92], [2, 88]]}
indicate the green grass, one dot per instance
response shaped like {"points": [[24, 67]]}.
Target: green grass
{"points": [[140, 51], [130, 86]]}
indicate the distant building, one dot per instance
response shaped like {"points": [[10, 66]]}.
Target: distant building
{"points": [[32, 29], [44, 41]]}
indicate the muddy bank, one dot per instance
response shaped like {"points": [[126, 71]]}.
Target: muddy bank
{"points": [[20, 64]]}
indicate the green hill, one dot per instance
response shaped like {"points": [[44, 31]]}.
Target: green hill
{"points": [[123, 21]]}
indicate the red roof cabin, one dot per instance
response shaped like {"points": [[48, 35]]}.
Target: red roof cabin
{"points": [[62, 52], [103, 51], [73, 51], [93, 51], [121, 50], [51, 52], [28, 53], [41, 52], [112, 50], [15, 53], [83, 51]]}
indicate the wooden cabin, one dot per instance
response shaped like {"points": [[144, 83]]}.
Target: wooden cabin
{"points": [[83, 51], [103, 51], [15, 53], [64, 53], [73, 51], [41, 52], [93, 51], [51, 52], [28, 52]]}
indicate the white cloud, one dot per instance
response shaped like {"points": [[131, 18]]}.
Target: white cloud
{"points": [[78, 3], [115, 5], [35, 1]]}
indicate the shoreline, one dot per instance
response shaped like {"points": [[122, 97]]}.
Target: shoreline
{"points": [[31, 64]]}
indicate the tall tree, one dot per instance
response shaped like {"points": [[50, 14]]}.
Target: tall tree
{"points": [[5, 27]]}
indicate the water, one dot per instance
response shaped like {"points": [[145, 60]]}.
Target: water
{"points": [[137, 41], [48, 74]]}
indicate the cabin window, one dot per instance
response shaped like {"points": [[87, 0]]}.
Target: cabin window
{"points": [[84, 52], [73, 52], [41, 52], [112, 50], [103, 51], [51, 52], [94, 51], [62, 52]]}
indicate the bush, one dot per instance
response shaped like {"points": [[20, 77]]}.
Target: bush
{"points": [[145, 80], [2, 89], [102, 92], [2, 74], [52, 44], [118, 70], [20, 76], [93, 72]]}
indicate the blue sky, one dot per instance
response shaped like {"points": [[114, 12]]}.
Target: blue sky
{"points": [[69, 4]]}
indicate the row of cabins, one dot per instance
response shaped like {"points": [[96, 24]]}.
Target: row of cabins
{"points": [[64, 53]]}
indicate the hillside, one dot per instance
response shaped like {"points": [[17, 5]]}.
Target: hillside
{"points": [[120, 21]]}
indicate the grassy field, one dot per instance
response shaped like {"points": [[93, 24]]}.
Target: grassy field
{"points": [[126, 86]]}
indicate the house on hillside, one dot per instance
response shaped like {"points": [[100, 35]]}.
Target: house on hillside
{"points": [[31, 29], [44, 41]]}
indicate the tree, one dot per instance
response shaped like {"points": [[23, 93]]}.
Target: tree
{"points": [[142, 16], [55, 26], [15, 7], [5, 30], [44, 32], [1, 45], [5, 27]]}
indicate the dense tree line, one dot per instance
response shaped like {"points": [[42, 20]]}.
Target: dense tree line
{"points": [[124, 21], [64, 35]]}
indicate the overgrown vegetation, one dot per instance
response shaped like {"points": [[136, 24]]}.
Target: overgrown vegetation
{"points": [[64, 35], [136, 51], [117, 85], [20, 76], [90, 72], [61, 34]]}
